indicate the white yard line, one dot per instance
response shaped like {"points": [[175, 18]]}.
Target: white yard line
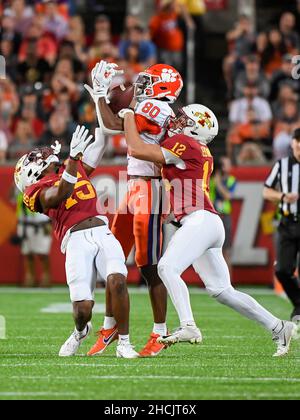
{"points": [[158, 377], [38, 394]]}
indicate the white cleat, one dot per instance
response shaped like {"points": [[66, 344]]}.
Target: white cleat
{"points": [[188, 334], [284, 337], [126, 351], [72, 345]]}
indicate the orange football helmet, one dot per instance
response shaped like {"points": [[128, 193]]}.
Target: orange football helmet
{"points": [[158, 82]]}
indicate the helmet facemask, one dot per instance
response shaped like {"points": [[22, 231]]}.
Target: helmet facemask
{"points": [[30, 167], [181, 124], [144, 87]]}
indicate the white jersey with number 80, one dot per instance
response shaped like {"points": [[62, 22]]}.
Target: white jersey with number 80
{"points": [[151, 118]]}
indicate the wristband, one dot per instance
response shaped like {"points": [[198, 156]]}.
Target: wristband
{"points": [[69, 178]]}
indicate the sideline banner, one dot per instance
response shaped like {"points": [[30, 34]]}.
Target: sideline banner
{"points": [[253, 250]]}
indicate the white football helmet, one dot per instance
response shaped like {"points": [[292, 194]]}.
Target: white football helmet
{"points": [[31, 166], [195, 121]]}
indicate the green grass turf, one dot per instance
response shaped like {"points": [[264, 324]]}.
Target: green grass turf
{"points": [[233, 363]]}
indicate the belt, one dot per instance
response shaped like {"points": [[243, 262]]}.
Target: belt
{"points": [[145, 178], [90, 223], [294, 218]]}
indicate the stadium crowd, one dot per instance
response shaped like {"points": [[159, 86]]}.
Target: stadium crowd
{"points": [[49, 54], [263, 87]]}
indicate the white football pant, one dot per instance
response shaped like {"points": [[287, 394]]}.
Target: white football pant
{"points": [[199, 243], [92, 254]]}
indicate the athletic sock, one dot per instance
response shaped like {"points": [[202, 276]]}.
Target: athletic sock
{"points": [[124, 339], [160, 329], [109, 323], [83, 333]]}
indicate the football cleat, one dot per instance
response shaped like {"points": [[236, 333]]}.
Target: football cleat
{"points": [[72, 345], [106, 337], [188, 334], [153, 348], [284, 337], [126, 351]]}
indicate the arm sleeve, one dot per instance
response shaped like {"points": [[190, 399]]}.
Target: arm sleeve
{"points": [[95, 151], [273, 179]]}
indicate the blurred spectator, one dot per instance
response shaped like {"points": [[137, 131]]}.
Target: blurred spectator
{"points": [[250, 118], [196, 9], [287, 27], [284, 129], [9, 102], [58, 129], [21, 13], [8, 32], [3, 146], [41, 45], [7, 51], [167, 34], [251, 155], [241, 43], [24, 140], [136, 49], [262, 41], [283, 76], [29, 114], [286, 94], [252, 75], [76, 37], [54, 23], [223, 186], [273, 54]]}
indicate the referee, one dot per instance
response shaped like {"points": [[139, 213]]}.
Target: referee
{"points": [[283, 186]]}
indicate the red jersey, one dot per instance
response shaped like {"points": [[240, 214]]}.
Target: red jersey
{"points": [[188, 172], [82, 205]]}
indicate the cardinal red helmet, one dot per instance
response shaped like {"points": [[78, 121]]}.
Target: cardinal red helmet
{"points": [[158, 82]]}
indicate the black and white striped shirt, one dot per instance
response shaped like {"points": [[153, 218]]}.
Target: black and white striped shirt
{"points": [[285, 176]]}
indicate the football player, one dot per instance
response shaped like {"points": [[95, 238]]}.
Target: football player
{"points": [[65, 194], [187, 166], [139, 219]]}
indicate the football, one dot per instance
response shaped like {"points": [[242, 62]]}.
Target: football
{"points": [[120, 97]]}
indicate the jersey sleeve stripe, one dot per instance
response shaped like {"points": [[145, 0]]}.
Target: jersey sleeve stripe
{"points": [[272, 180]]}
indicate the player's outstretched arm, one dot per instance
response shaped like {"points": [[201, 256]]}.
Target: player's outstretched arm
{"points": [[54, 196], [102, 76], [136, 147], [93, 154]]}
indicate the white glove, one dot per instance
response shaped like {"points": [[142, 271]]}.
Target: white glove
{"points": [[56, 148], [102, 76], [125, 111], [80, 142]]}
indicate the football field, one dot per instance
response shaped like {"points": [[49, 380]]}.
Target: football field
{"points": [[234, 362]]}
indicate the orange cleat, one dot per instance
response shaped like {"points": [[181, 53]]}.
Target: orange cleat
{"points": [[106, 337], [152, 348]]}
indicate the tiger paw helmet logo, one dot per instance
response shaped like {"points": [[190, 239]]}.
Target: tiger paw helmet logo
{"points": [[169, 76]]}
